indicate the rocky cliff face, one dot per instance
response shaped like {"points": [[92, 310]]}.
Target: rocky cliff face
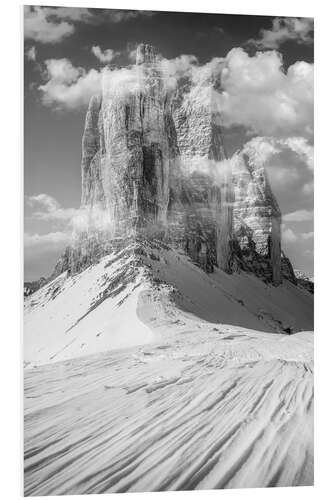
{"points": [[29, 287], [128, 150], [257, 217], [148, 157], [206, 188], [154, 166]]}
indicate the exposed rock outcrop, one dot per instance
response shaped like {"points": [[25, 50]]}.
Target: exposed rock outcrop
{"points": [[206, 190], [304, 281], [257, 216], [149, 162], [128, 150], [30, 287], [154, 166]]}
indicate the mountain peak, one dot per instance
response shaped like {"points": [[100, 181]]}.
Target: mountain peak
{"points": [[154, 165]]}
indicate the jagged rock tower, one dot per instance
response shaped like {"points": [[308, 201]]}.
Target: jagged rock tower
{"points": [[128, 150], [257, 218], [154, 166]]}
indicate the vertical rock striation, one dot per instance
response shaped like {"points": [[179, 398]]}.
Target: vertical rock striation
{"points": [[154, 165], [257, 217], [137, 154], [206, 189], [127, 150]]}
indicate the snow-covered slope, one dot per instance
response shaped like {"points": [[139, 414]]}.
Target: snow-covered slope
{"points": [[91, 312], [217, 407], [145, 373], [140, 294]]}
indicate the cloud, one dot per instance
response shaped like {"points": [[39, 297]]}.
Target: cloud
{"points": [[120, 82], [308, 188], [54, 24], [288, 236], [182, 66], [299, 216], [301, 146], [258, 94], [31, 53], [47, 208], [117, 16], [285, 29], [55, 240], [261, 149], [131, 53], [74, 14], [307, 236], [253, 92], [40, 27], [43, 201], [105, 56], [68, 86], [288, 169]]}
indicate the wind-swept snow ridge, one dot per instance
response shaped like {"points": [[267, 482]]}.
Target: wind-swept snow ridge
{"points": [[214, 407], [90, 312]]}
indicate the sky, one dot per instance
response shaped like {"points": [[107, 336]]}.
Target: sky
{"points": [[266, 67]]}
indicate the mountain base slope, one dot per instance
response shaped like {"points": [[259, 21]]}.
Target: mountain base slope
{"points": [[144, 292]]}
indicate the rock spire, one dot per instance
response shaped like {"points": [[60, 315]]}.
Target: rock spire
{"points": [[154, 166]]}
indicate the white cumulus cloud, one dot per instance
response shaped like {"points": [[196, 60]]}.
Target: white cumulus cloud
{"points": [[261, 96], [68, 86], [284, 29], [261, 149], [254, 92], [43, 201], [104, 56], [47, 208], [40, 27]]}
